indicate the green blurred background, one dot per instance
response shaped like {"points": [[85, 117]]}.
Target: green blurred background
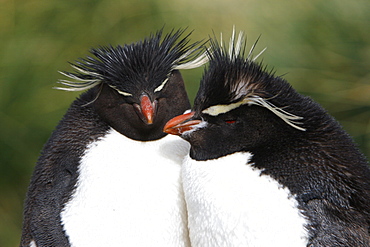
{"points": [[321, 46]]}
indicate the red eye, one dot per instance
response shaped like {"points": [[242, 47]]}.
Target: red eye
{"points": [[230, 121]]}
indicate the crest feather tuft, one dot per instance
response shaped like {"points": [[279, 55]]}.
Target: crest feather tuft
{"points": [[153, 57], [234, 79]]}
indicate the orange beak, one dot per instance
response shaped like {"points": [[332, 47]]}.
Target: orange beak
{"points": [[147, 108], [180, 124]]}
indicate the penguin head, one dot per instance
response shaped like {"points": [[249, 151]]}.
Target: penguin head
{"points": [[137, 88], [240, 106]]}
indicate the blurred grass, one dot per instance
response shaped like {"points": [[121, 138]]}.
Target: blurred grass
{"points": [[323, 46]]}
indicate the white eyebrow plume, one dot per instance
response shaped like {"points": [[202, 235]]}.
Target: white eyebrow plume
{"points": [[195, 63], [287, 117], [79, 84], [120, 92], [160, 87]]}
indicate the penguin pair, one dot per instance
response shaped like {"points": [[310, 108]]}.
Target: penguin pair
{"points": [[109, 175], [267, 166]]}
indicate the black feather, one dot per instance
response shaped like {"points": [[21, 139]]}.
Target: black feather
{"points": [[227, 72], [321, 166], [128, 67]]}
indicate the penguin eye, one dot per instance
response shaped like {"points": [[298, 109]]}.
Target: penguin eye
{"points": [[230, 121]]}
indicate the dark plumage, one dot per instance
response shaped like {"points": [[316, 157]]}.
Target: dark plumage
{"points": [[241, 107], [134, 90]]}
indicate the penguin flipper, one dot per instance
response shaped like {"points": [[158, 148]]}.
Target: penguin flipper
{"points": [[46, 197], [332, 228]]}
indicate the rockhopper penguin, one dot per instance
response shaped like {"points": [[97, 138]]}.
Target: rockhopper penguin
{"points": [[108, 175], [268, 166]]}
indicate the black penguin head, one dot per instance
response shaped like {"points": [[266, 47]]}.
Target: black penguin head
{"points": [[137, 88], [239, 106]]}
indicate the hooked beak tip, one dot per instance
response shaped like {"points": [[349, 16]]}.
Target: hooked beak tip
{"points": [[180, 124]]}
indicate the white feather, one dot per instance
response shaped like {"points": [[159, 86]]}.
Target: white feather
{"points": [[160, 87], [78, 84], [33, 244], [195, 63], [232, 43], [239, 43], [129, 194], [120, 92], [231, 204], [236, 46], [287, 117], [259, 54], [284, 115]]}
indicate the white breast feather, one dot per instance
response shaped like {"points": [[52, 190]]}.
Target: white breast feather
{"points": [[231, 204], [129, 194]]}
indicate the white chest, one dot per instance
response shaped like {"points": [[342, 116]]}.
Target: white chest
{"points": [[231, 204], [129, 194]]}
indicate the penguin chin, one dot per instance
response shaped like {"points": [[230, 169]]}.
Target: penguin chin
{"points": [[143, 135]]}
